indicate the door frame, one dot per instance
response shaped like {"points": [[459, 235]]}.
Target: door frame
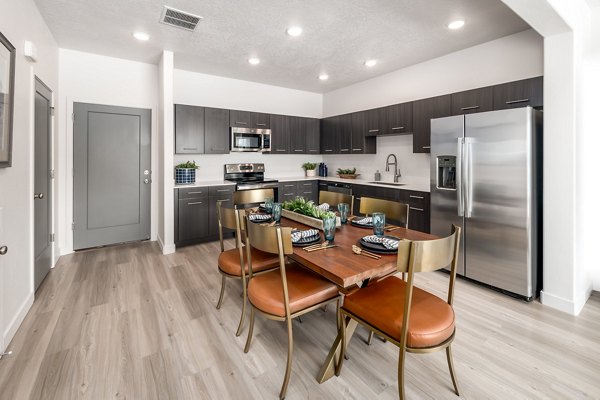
{"points": [[51, 180]]}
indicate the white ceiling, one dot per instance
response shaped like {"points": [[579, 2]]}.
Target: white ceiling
{"points": [[338, 35]]}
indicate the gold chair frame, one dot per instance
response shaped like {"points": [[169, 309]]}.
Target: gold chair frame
{"points": [[335, 198], [277, 240], [393, 210], [235, 219], [252, 197], [417, 256]]}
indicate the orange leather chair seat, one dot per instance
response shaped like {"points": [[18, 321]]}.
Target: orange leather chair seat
{"points": [[305, 289], [382, 305], [229, 261]]}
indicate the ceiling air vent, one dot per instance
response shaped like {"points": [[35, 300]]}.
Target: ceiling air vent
{"points": [[179, 19]]}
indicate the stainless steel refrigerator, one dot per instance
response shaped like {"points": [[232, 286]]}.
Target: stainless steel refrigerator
{"points": [[486, 177]]}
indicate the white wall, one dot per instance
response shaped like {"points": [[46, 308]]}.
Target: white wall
{"points": [[510, 58], [214, 91], [20, 21], [90, 78]]}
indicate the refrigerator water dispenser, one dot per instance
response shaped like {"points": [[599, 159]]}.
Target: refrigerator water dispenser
{"points": [[446, 172]]}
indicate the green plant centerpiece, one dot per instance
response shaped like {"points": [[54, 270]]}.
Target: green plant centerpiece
{"points": [[310, 168], [185, 173], [349, 173], [306, 208]]}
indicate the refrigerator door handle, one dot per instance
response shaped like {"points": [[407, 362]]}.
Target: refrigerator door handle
{"points": [[459, 178], [468, 195]]}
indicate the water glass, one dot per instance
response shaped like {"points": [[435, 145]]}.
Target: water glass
{"points": [[378, 223], [329, 228], [268, 204], [343, 208], [276, 212]]}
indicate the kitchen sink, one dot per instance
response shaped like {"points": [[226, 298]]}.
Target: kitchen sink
{"points": [[389, 183]]}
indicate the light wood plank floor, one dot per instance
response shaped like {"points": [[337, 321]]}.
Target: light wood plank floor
{"points": [[126, 322]]}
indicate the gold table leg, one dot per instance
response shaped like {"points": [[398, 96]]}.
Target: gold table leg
{"points": [[328, 368]]}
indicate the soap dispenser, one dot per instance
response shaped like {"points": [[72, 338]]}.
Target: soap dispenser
{"points": [[377, 176]]}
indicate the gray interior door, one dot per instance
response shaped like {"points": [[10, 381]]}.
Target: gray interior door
{"points": [[42, 200], [111, 183]]}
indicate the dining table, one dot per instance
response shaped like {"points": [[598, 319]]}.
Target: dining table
{"points": [[348, 270]]}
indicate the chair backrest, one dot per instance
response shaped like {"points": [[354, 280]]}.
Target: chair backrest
{"points": [[393, 210], [252, 197], [427, 256], [334, 198], [230, 218]]}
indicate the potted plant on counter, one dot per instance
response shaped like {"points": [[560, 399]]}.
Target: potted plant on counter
{"points": [[347, 173], [185, 173], [310, 169]]}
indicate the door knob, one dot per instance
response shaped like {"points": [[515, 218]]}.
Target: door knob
{"points": [[3, 250], [38, 196]]}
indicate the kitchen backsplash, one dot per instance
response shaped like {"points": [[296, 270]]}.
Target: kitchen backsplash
{"points": [[289, 165]]}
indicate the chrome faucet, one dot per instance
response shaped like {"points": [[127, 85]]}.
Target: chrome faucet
{"points": [[395, 164]]}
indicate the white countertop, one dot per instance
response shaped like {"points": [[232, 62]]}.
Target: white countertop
{"points": [[409, 183]]}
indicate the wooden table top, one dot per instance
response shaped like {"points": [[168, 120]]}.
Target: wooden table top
{"points": [[339, 264]]}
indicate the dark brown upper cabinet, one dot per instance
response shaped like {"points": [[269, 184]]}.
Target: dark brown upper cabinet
{"points": [[240, 119], [526, 92], [313, 135], [376, 121], [399, 120], [423, 111], [361, 143], [189, 129], [216, 131], [297, 135], [344, 133], [260, 120], [329, 143], [472, 101], [280, 133]]}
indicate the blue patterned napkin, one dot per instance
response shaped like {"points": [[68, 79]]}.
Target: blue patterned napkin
{"points": [[297, 235], [388, 243]]}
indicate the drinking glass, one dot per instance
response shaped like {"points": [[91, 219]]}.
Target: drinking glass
{"points": [[343, 208], [378, 223], [276, 212], [269, 204], [329, 228]]}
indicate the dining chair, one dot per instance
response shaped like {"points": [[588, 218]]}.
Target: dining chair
{"points": [[411, 318], [251, 197], [232, 263], [393, 210], [285, 293], [334, 198]]}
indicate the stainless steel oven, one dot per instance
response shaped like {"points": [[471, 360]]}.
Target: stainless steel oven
{"points": [[250, 139]]}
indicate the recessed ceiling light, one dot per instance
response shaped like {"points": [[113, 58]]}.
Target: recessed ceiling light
{"points": [[141, 36], [459, 23], [254, 61], [323, 77], [370, 63], [294, 31]]}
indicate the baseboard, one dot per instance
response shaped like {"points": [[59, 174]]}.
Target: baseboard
{"points": [[166, 249], [17, 320], [565, 305]]}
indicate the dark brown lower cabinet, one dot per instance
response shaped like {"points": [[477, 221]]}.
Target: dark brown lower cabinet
{"points": [[309, 190]]}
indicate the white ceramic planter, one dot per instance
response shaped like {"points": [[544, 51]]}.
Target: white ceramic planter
{"points": [[311, 172]]}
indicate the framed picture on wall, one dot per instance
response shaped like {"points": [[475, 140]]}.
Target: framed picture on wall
{"points": [[7, 96]]}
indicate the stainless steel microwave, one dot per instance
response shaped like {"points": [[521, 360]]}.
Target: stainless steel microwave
{"points": [[250, 139]]}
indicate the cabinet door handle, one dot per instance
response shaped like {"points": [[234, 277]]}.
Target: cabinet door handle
{"points": [[426, 147], [194, 202], [344, 149], [470, 108], [190, 148], [298, 150], [517, 101], [373, 130], [416, 209], [306, 192], [314, 151], [288, 185], [223, 190], [241, 123], [195, 192], [397, 128], [257, 124], [328, 150], [416, 197]]}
